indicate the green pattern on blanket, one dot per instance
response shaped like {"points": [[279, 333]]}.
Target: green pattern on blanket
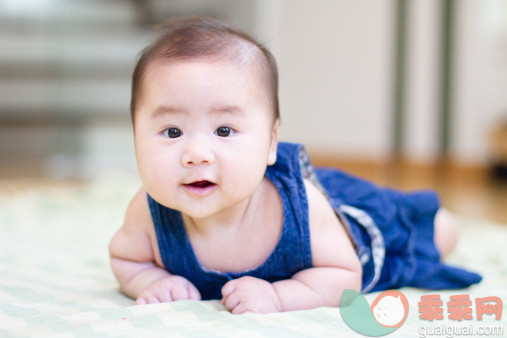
{"points": [[55, 277]]}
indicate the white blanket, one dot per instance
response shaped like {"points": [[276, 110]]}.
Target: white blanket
{"points": [[55, 278]]}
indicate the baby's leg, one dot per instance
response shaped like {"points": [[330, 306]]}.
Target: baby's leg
{"points": [[446, 231]]}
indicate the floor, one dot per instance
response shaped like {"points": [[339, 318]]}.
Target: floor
{"points": [[466, 191]]}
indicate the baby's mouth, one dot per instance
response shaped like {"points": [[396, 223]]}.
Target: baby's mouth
{"points": [[201, 184], [201, 188]]}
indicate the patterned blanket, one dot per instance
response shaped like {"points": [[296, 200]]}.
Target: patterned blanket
{"points": [[55, 278]]}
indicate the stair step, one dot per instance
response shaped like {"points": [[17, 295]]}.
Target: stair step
{"points": [[45, 48], [29, 98], [68, 12]]}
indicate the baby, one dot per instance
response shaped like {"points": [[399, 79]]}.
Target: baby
{"points": [[227, 212]]}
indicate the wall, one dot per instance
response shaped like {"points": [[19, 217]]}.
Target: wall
{"points": [[480, 77], [336, 84]]}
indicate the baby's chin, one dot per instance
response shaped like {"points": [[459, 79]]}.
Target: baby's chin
{"points": [[199, 211], [208, 209]]}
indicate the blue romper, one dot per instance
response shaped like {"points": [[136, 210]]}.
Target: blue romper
{"points": [[392, 232]]}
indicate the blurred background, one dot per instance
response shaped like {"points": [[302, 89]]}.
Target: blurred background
{"points": [[407, 93]]}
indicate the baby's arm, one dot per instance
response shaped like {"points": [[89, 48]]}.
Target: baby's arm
{"points": [[336, 267], [138, 270]]}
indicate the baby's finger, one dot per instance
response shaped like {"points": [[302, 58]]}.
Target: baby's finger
{"points": [[231, 302], [141, 301], [165, 297], [179, 292], [228, 288], [240, 309], [151, 299], [193, 293]]}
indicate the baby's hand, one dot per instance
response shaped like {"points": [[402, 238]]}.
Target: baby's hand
{"points": [[168, 289], [250, 294]]}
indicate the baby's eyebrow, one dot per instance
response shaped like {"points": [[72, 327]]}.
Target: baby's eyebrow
{"points": [[235, 110], [219, 109], [162, 110]]}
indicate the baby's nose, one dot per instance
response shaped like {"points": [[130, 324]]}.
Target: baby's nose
{"points": [[197, 153]]}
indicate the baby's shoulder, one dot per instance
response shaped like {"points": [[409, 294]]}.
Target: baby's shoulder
{"points": [[134, 240], [137, 215], [330, 242], [321, 215]]}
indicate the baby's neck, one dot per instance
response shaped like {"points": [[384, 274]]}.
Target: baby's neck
{"points": [[226, 220], [244, 237], [230, 220]]}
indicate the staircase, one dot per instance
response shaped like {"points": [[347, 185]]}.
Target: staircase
{"points": [[65, 69]]}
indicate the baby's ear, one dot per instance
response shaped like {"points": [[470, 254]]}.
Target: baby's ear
{"points": [[274, 143]]}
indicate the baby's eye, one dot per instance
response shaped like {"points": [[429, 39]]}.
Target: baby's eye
{"points": [[223, 131], [172, 132]]}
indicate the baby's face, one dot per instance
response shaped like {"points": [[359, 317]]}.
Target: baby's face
{"points": [[204, 135]]}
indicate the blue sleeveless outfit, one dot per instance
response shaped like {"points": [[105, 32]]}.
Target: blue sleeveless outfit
{"points": [[392, 232]]}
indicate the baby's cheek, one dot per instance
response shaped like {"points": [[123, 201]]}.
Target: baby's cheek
{"points": [[245, 176], [148, 170], [157, 186]]}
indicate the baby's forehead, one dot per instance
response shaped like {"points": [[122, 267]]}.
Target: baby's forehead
{"points": [[245, 70], [225, 81], [166, 64], [244, 56], [230, 49]]}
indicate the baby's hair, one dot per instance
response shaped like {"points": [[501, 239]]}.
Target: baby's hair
{"points": [[205, 39]]}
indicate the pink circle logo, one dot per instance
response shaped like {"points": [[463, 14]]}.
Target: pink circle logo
{"points": [[390, 308]]}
